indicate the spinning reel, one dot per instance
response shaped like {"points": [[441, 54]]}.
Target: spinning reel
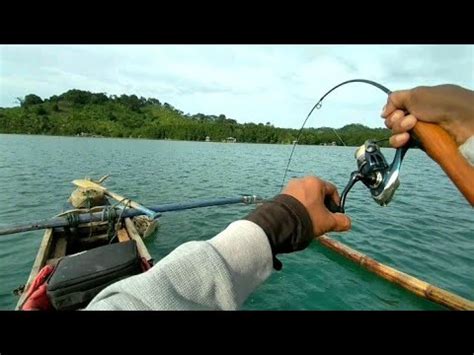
{"points": [[381, 179]]}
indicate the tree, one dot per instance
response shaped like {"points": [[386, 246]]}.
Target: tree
{"points": [[132, 102], [153, 102], [77, 97], [40, 110], [99, 98], [168, 106], [31, 100]]}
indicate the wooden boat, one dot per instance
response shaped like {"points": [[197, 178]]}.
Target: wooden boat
{"points": [[58, 243]]}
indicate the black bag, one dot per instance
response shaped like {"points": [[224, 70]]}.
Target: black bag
{"points": [[78, 278]]}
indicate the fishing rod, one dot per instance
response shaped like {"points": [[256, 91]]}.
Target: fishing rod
{"points": [[383, 179], [72, 220]]}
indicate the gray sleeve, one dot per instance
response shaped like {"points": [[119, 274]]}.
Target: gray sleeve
{"points": [[216, 274]]}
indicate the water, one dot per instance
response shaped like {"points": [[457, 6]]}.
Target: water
{"points": [[427, 231]]}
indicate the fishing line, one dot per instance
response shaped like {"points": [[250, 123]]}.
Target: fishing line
{"points": [[318, 105]]}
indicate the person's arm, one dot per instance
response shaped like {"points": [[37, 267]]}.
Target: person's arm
{"points": [[222, 272], [450, 106], [199, 275]]}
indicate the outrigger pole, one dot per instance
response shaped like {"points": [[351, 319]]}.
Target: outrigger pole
{"points": [[418, 287]]}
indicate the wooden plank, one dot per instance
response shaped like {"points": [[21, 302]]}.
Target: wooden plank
{"points": [[132, 231], [61, 245], [41, 257], [94, 239], [52, 261], [122, 235], [81, 231]]}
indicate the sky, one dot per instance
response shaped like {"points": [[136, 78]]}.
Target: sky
{"points": [[248, 83]]}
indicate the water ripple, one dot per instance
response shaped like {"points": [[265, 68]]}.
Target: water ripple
{"points": [[426, 231]]}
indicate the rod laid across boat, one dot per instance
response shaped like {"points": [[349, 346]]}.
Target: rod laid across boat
{"points": [[71, 219]]}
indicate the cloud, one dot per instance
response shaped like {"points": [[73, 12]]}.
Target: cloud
{"points": [[256, 83], [430, 65]]}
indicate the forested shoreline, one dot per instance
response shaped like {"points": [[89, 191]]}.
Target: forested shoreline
{"points": [[82, 113]]}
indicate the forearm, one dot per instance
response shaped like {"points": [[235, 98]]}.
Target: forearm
{"points": [[219, 273], [215, 274], [459, 117]]}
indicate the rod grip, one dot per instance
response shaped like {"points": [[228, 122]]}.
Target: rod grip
{"points": [[441, 147]]}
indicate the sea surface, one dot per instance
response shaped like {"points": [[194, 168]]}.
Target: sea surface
{"points": [[426, 231]]}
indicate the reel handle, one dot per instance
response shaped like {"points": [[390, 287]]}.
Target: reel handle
{"points": [[440, 147], [332, 206]]}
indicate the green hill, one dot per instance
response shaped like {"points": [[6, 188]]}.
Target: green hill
{"points": [[78, 112]]}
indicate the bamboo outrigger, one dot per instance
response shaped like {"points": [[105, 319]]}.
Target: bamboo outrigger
{"points": [[408, 282]]}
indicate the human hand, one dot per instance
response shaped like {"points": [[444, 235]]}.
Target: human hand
{"points": [[295, 217], [312, 193], [450, 106]]}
